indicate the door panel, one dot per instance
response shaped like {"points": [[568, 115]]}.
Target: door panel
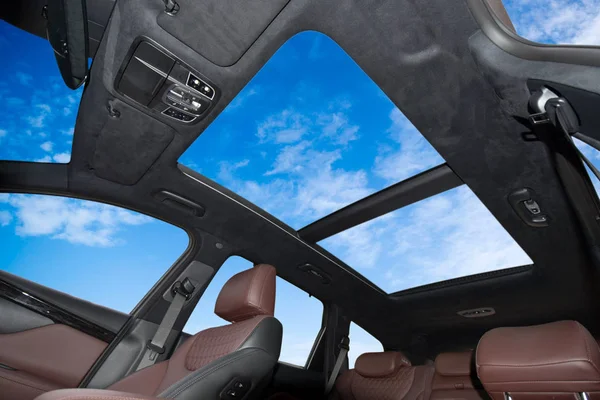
{"points": [[106, 318], [19, 385], [56, 353], [48, 339], [15, 318]]}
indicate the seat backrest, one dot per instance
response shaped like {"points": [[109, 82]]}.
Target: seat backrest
{"points": [[209, 362], [387, 375], [559, 360], [455, 377]]}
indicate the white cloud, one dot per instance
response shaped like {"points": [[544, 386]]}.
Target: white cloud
{"points": [[410, 155], [226, 169], [76, 221], [286, 127], [559, 21], [47, 146], [444, 237], [5, 218], [62, 158], [38, 120], [3, 132], [243, 97], [337, 127], [45, 159], [309, 187], [69, 131], [23, 78]]}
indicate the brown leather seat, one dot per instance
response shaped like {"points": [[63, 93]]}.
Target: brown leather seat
{"points": [[206, 363], [559, 360], [387, 375], [455, 377]]}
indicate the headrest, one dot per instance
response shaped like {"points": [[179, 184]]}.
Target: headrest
{"points": [[556, 357], [248, 294], [454, 363], [379, 365]]}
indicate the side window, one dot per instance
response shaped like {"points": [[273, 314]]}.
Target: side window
{"points": [[361, 342], [594, 156], [300, 315], [100, 253]]}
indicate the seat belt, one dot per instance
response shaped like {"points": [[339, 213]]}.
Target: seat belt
{"points": [[344, 348], [558, 112], [182, 291]]}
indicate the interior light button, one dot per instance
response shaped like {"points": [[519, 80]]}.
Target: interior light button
{"points": [[198, 84]]}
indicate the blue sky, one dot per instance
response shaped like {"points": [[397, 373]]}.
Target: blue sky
{"points": [[307, 136]]}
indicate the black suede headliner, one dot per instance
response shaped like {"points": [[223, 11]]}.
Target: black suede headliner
{"points": [[458, 88]]}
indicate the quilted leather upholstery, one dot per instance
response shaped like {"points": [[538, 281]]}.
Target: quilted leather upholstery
{"points": [[247, 300], [214, 343], [405, 383]]}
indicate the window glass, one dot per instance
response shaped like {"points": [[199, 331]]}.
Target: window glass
{"points": [[299, 314], [100, 253], [310, 134], [38, 109], [556, 22], [594, 156], [446, 236], [361, 342]]}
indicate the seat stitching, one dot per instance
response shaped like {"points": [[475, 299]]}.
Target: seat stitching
{"points": [[23, 383], [537, 365], [186, 385]]}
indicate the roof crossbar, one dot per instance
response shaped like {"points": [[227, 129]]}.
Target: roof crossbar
{"points": [[426, 184]]}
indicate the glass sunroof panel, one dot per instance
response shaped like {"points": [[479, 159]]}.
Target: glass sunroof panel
{"points": [[446, 236], [310, 134], [556, 22]]}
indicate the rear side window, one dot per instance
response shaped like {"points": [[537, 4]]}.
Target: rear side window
{"points": [[100, 253], [361, 342], [300, 315]]}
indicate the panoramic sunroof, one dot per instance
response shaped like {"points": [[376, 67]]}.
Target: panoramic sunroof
{"points": [[446, 236], [310, 134]]}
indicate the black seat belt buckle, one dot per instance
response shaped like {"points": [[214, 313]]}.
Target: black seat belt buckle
{"points": [[154, 350], [345, 343], [185, 288]]}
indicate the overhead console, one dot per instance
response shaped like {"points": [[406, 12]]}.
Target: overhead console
{"points": [[157, 80]]}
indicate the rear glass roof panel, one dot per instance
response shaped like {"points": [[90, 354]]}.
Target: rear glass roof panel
{"points": [[447, 236]]}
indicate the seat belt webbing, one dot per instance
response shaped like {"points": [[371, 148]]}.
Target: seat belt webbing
{"points": [[344, 348], [181, 292]]}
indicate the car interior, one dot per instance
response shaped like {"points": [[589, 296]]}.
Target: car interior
{"points": [[503, 113]]}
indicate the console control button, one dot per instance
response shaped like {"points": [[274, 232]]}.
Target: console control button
{"points": [[186, 100], [176, 114]]}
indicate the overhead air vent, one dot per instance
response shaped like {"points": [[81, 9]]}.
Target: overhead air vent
{"points": [[477, 312]]}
